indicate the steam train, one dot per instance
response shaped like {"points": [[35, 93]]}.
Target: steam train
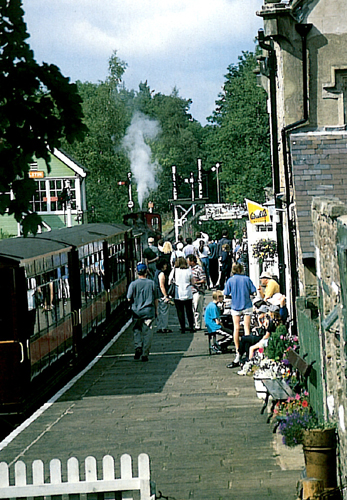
{"points": [[57, 290]]}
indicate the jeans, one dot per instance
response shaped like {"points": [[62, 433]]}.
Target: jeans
{"points": [[143, 335], [205, 261], [163, 314]]}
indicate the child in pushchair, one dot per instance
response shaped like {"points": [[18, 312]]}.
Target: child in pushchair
{"points": [[215, 325]]}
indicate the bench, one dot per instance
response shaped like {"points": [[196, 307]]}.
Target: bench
{"points": [[278, 389]]}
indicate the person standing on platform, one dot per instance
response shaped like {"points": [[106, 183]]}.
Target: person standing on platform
{"points": [[202, 251], [226, 263], [214, 263], [240, 288], [151, 256], [177, 253], [199, 286], [182, 277], [188, 249], [223, 241], [142, 294], [161, 282]]}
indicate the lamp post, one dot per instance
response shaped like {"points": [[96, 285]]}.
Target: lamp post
{"points": [[216, 169]]}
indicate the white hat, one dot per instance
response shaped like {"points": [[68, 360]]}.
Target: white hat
{"points": [[275, 300], [151, 240], [179, 246], [265, 275]]}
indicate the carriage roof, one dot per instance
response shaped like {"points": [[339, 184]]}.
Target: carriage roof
{"points": [[56, 241]]}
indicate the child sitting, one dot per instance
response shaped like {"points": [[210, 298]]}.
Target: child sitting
{"points": [[214, 324]]}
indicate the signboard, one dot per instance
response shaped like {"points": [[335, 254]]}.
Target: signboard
{"points": [[52, 198], [257, 213], [36, 174], [224, 211]]}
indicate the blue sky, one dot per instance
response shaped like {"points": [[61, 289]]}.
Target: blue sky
{"points": [[186, 44]]}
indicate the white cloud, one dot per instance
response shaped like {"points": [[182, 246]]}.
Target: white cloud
{"points": [[183, 43], [142, 27]]}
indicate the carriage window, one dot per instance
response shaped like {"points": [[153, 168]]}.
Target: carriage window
{"points": [[48, 298]]}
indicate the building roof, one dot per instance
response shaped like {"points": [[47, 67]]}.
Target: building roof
{"points": [[70, 162]]}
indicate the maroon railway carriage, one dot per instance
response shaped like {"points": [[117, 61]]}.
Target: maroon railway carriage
{"points": [[56, 290]]}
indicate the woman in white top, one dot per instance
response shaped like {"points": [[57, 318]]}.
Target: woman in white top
{"points": [[182, 276]]}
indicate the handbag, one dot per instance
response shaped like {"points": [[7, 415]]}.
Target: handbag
{"points": [[172, 287]]}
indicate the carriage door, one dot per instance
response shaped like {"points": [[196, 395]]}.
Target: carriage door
{"points": [[75, 291], [14, 337]]}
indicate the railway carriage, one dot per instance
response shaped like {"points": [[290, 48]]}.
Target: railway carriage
{"points": [[56, 290]]}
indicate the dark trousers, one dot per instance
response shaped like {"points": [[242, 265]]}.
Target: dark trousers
{"points": [[225, 275], [187, 307], [214, 271], [246, 342]]}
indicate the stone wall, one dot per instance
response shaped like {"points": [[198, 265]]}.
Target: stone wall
{"points": [[326, 218], [319, 161]]}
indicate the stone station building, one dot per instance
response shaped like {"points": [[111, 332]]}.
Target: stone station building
{"points": [[304, 70]]}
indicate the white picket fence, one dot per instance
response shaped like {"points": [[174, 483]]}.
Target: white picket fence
{"points": [[100, 488]]}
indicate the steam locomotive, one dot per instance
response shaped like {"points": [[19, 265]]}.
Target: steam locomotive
{"points": [[57, 290]]}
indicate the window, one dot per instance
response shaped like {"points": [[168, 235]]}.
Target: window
{"points": [[50, 195]]}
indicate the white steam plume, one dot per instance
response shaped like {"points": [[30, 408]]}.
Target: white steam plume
{"points": [[140, 154]]}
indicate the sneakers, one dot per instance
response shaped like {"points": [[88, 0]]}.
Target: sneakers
{"points": [[247, 367], [214, 349], [236, 361], [233, 365], [138, 353]]}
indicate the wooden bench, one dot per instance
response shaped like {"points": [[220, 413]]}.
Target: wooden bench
{"points": [[278, 389]]}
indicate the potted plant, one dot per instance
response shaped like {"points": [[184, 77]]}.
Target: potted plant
{"points": [[298, 424], [264, 250], [279, 343]]}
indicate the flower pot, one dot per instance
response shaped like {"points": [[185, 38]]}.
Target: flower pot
{"points": [[320, 455]]}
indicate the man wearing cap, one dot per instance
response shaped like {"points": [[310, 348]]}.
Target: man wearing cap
{"points": [[268, 286], [142, 294], [151, 256]]}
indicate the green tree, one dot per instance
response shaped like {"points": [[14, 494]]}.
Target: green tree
{"points": [[238, 135], [107, 108], [38, 107]]}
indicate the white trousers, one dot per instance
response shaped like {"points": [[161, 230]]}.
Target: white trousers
{"points": [[198, 309]]}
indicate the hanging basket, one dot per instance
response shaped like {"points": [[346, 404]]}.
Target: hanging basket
{"points": [[320, 455]]}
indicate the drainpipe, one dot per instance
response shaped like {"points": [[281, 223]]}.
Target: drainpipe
{"points": [[302, 30], [272, 72]]}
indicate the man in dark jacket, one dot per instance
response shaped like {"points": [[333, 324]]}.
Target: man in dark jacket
{"points": [[142, 293]]}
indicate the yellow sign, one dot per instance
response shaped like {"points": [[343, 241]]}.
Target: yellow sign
{"points": [[257, 213], [36, 174]]}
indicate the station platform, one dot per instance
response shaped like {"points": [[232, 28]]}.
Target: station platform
{"points": [[198, 421]]}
